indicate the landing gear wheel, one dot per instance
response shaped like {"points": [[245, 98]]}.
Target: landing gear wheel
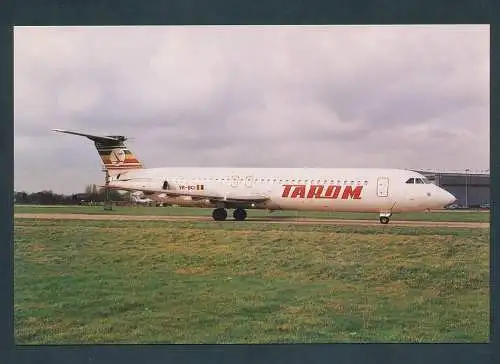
{"points": [[239, 214], [384, 220], [219, 214]]}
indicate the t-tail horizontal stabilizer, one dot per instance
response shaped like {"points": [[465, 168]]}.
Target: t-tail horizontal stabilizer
{"points": [[114, 153]]}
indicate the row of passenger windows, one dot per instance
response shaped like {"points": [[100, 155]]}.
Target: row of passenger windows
{"points": [[278, 180]]}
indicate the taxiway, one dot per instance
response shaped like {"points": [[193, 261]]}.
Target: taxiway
{"points": [[268, 220]]}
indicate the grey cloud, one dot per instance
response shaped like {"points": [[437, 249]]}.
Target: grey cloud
{"points": [[408, 97]]}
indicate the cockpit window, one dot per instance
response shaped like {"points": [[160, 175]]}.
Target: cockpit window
{"points": [[418, 180]]}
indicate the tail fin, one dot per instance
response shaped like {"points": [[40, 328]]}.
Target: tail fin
{"points": [[114, 153]]}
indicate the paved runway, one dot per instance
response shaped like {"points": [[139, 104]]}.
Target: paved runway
{"points": [[269, 220]]}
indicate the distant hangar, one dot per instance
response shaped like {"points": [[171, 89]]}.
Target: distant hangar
{"points": [[470, 189]]}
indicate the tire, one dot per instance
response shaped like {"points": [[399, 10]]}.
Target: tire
{"points": [[384, 220]]}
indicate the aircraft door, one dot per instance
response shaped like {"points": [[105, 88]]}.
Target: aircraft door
{"points": [[383, 187]]}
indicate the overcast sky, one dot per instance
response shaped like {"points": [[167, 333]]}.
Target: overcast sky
{"points": [[402, 97]]}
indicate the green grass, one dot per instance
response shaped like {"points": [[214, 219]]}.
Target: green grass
{"points": [[166, 282], [469, 216]]}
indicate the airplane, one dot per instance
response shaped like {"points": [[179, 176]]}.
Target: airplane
{"points": [[384, 191]]}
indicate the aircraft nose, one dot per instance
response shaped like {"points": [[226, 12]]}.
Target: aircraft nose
{"points": [[447, 198]]}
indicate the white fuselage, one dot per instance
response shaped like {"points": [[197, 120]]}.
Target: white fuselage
{"points": [[314, 189]]}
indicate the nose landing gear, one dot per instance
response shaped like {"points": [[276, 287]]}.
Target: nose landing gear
{"points": [[385, 217]]}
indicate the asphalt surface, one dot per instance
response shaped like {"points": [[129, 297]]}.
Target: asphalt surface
{"points": [[269, 220]]}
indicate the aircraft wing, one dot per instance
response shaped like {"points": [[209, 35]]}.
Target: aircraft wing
{"points": [[231, 197]]}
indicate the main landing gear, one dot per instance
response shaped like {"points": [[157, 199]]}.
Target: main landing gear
{"points": [[385, 217], [220, 214]]}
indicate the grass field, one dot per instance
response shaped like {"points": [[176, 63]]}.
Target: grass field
{"points": [[461, 216], [215, 282]]}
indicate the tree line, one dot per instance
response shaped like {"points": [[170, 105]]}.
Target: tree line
{"points": [[92, 193]]}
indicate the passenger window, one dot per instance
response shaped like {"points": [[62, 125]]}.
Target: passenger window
{"points": [[411, 180]]}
